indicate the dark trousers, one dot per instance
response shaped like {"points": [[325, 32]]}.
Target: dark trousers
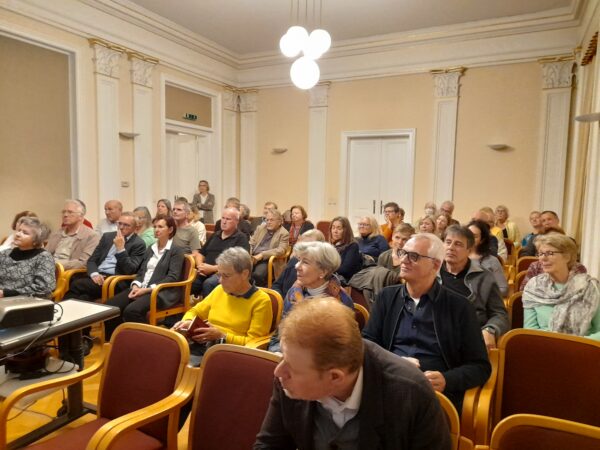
{"points": [[132, 310], [84, 288], [204, 285], [260, 273]]}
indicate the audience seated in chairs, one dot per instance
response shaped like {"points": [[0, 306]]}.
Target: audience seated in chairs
{"points": [[235, 312], [441, 224], [243, 225], [27, 269], [163, 208], [371, 242], [426, 224], [195, 222], [269, 239], [8, 242], [486, 214], [536, 225], [334, 390], [112, 211], [144, 228], [341, 237], [317, 263], [466, 277], [560, 299], [447, 208], [227, 237], [548, 220], [482, 252], [288, 277], [508, 227], [390, 259], [73, 245], [298, 223], [186, 237], [162, 263], [394, 216], [439, 332]]}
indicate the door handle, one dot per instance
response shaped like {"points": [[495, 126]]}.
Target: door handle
{"points": [[373, 206]]}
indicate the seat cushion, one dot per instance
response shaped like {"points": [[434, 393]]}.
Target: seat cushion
{"points": [[78, 438]]}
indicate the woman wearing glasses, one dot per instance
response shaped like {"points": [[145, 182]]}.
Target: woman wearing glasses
{"points": [[559, 299], [371, 242]]}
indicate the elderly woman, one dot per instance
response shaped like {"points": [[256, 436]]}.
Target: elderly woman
{"points": [[204, 201], [559, 299], [298, 223], [426, 224], [27, 269], [441, 223], [163, 208], [341, 237], [235, 312], [162, 263], [482, 252], [317, 263], [508, 227], [371, 242], [390, 259], [9, 241], [143, 229]]}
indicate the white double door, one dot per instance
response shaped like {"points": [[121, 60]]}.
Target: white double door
{"points": [[380, 170], [189, 160]]}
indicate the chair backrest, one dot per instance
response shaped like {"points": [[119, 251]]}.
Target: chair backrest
{"points": [[524, 262], [519, 279], [188, 273], [144, 365], [59, 273], [232, 397], [550, 374], [361, 315], [510, 246], [515, 310], [452, 419], [534, 432], [209, 227], [358, 297], [323, 227], [276, 305]]}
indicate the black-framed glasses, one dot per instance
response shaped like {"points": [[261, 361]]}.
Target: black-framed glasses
{"points": [[123, 224], [549, 253], [412, 256]]}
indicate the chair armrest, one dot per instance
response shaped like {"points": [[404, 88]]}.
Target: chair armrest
{"points": [[467, 417], [7, 404], [62, 285], [483, 420], [108, 288], [105, 438]]}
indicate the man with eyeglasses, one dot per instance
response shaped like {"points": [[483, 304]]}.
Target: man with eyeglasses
{"points": [[429, 325], [447, 209], [269, 239], [74, 243], [394, 216]]}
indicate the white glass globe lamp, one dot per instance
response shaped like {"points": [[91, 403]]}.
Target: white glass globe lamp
{"points": [[292, 42], [319, 41], [305, 73]]}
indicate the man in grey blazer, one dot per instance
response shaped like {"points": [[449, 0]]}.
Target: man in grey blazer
{"points": [[334, 390]]}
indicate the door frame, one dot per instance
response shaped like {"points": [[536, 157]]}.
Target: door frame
{"points": [[348, 136]]}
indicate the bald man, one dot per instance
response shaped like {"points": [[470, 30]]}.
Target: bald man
{"points": [[112, 211]]}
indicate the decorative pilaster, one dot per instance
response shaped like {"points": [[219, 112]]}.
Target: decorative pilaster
{"points": [[556, 105], [446, 85], [230, 141], [142, 69], [248, 147], [317, 150], [106, 67]]}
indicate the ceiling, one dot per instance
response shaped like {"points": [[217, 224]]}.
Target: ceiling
{"points": [[247, 27]]}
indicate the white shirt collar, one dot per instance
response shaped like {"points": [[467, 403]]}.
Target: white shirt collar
{"points": [[342, 412], [167, 247]]}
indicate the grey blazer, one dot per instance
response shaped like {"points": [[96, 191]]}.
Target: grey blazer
{"points": [[207, 207]]}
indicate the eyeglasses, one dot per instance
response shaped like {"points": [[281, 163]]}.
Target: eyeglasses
{"points": [[412, 256], [364, 225], [67, 212], [124, 225], [550, 253], [389, 211]]}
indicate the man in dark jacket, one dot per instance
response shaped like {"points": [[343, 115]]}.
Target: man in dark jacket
{"points": [[334, 390], [428, 325]]}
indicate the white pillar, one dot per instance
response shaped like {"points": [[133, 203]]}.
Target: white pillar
{"points": [[317, 151], [141, 79], [248, 148], [444, 137], [556, 106], [106, 67], [230, 140]]}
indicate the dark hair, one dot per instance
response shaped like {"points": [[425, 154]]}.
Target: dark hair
{"points": [[392, 205], [550, 212], [302, 210], [462, 232], [347, 236], [169, 221], [22, 214], [207, 185], [483, 249], [167, 204]]}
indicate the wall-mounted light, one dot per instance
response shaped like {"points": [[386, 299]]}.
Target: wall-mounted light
{"points": [[498, 146], [278, 151], [128, 135], [592, 117]]}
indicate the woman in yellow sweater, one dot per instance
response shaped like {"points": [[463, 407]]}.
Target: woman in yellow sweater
{"points": [[235, 312]]}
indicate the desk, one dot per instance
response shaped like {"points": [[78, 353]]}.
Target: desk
{"points": [[75, 316]]}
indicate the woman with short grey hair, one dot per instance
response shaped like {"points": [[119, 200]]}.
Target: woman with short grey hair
{"points": [[27, 269]]}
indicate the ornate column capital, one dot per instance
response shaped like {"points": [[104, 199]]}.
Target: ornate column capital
{"points": [[141, 71], [319, 95], [230, 100], [106, 58], [248, 101], [447, 82], [557, 73]]}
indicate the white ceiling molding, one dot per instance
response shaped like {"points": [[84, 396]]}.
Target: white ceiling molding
{"points": [[498, 41]]}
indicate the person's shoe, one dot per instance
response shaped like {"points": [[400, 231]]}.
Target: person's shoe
{"points": [[87, 344]]}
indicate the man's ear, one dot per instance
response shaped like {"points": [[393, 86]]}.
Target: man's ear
{"points": [[336, 375], [437, 264]]}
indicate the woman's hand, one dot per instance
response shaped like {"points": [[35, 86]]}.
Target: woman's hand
{"points": [[137, 291], [182, 326], [207, 334]]}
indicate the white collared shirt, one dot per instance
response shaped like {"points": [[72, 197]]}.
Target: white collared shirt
{"points": [[342, 412], [153, 262]]}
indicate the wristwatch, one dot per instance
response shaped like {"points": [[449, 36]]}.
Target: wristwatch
{"points": [[490, 330]]}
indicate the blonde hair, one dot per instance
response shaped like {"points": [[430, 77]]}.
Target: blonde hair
{"points": [[560, 242]]}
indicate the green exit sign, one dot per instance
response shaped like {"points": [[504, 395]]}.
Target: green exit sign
{"points": [[189, 116]]}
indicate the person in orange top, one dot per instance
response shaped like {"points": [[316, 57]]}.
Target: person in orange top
{"points": [[394, 216]]}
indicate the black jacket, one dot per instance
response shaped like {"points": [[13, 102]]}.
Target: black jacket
{"points": [[128, 262], [456, 326], [168, 270]]}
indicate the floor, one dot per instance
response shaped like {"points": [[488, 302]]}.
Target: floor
{"points": [[35, 414]]}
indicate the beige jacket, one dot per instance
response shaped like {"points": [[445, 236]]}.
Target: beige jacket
{"points": [[278, 246], [86, 240]]}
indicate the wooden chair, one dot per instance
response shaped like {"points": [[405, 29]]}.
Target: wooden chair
{"points": [[230, 402], [142, 365], [323, 227], [62, 286], [515, 310], [209, 227], [277, 307], [544, 373], [451, 415], [534, 432], [276, 265], [524, 262], [59, 273], [510, 248], [518, 279], [358, 298], [361, 315]]}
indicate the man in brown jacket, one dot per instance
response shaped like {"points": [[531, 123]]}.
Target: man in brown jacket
{"points": [[269, 239]]}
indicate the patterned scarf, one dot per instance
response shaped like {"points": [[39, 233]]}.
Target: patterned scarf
{"points": [[574, 306], [297, 293]]}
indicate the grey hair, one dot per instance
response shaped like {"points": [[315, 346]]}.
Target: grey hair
{"points": [[275, 213], [322, 253], [436, 246], [182, 201], [40, 230], [79, 203], [237, 258], [235, 210], [314, 234]]}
